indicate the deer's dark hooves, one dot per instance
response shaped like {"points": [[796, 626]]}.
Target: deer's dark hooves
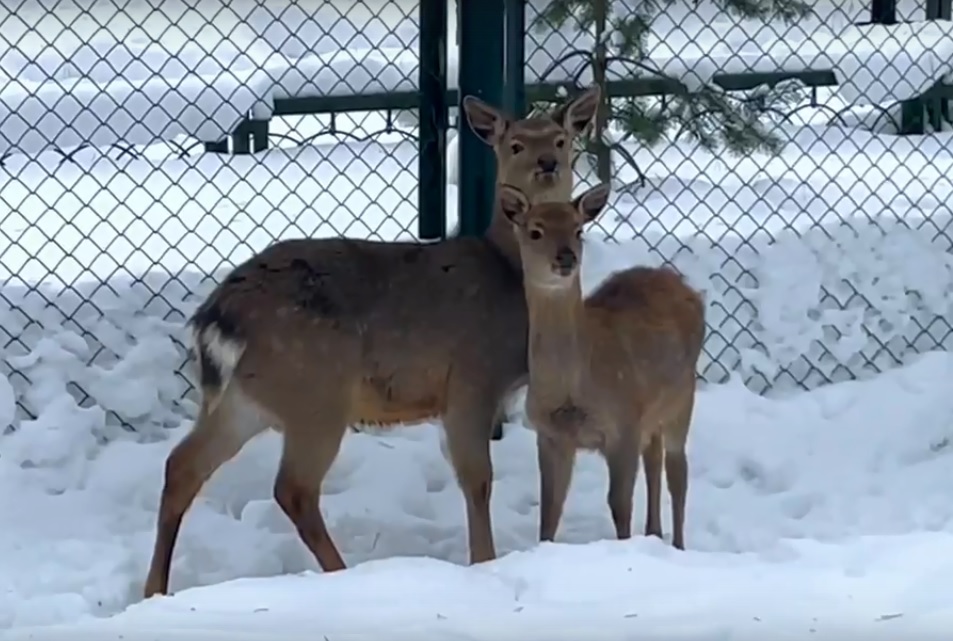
{"points": [[497, 432]]}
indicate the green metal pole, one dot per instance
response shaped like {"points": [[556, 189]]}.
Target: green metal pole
{"points": [[939, 108], [515, 53], [432, 146], [939, 10], [481, 75], [883, 11]]}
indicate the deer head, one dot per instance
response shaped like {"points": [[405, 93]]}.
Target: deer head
{"points": [[534, 154], [549, 234]]}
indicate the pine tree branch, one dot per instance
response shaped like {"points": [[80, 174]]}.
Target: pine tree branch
{"points": [[790, 11], [709, 115]]}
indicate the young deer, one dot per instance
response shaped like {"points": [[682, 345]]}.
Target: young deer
{"points": [[311, 335], [614, 372]]}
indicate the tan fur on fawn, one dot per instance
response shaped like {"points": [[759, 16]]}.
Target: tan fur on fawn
{"points": [[311, 335], [614, 372]]}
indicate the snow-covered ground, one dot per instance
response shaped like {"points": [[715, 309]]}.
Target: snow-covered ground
{"points": [[829, 262], [844, 485], [824, 513]]}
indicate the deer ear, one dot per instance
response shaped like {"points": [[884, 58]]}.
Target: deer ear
{"points": [[590, 203], [514, 204], [575, 115], [485, 121]]}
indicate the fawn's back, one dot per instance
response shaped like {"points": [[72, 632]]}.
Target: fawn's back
{"points": [[647, 327]]}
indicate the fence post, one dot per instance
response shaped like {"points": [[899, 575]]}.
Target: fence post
{"points": [[939, 10], [481, 75], [938, 109], [913, 111], [515, 54], [883, 11], [432, 116]]}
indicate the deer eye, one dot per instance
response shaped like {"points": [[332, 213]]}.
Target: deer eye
{"points": [[516, 148], [560, 143], [535, 234], [579, 233]]}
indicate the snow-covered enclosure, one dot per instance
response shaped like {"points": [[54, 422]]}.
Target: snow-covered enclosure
{"points": [[812, 262], [135, 83], [813, 513], [822, 513]]}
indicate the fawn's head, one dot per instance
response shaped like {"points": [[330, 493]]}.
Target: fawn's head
{"points": [[535, 153], [550, 233]]}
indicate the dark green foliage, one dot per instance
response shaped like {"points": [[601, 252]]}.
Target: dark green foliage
{"points": [[714, 118]]}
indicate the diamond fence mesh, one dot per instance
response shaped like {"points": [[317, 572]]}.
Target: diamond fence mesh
{"points": [[115, 220], [826, 262]]}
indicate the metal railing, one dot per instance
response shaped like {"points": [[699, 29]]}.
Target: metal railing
{"points": [[145, 148]]}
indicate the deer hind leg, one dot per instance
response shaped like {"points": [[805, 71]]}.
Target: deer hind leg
{"points": [[676, 469], [311, 443], [652, 461], [218, 435], [467, 423], [556, 462], [623, 462]]}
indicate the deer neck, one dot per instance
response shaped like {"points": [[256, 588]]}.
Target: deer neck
{"points": [[558, 346], [500, 231]]}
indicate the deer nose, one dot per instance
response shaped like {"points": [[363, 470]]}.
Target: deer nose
{"points": [[565, 260], [548, 164]]}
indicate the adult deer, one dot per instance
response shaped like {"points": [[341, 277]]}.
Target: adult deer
{"points": [[311, 335], [613, 372]]}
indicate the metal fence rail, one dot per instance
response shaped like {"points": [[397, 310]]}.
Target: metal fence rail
{"points": [[146, 147]]}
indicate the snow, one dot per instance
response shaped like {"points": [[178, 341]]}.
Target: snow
{"points": [[825, 511], [820, 510], [873, 64], [139, 78], [815, 509], [812, 261]]}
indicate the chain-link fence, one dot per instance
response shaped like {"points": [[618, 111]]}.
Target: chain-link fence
{"points": [[115, 220], [825, 262]]}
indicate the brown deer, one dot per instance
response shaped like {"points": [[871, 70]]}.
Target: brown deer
{"points": [[614, 372], [311, 335]]}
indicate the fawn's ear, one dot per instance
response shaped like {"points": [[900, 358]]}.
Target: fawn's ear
{"points": [[487, 123], [591, 202], [514, 203], [576, 114]]}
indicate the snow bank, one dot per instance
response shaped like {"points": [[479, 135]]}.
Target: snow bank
{"points": [[599, 591], [102, 88], [129, 91], [799, 518], [873, 63], [812, 263]]}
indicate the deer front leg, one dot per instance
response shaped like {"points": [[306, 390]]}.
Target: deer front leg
{"points": [[466, 426], [623, 461], [556, 462]]}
